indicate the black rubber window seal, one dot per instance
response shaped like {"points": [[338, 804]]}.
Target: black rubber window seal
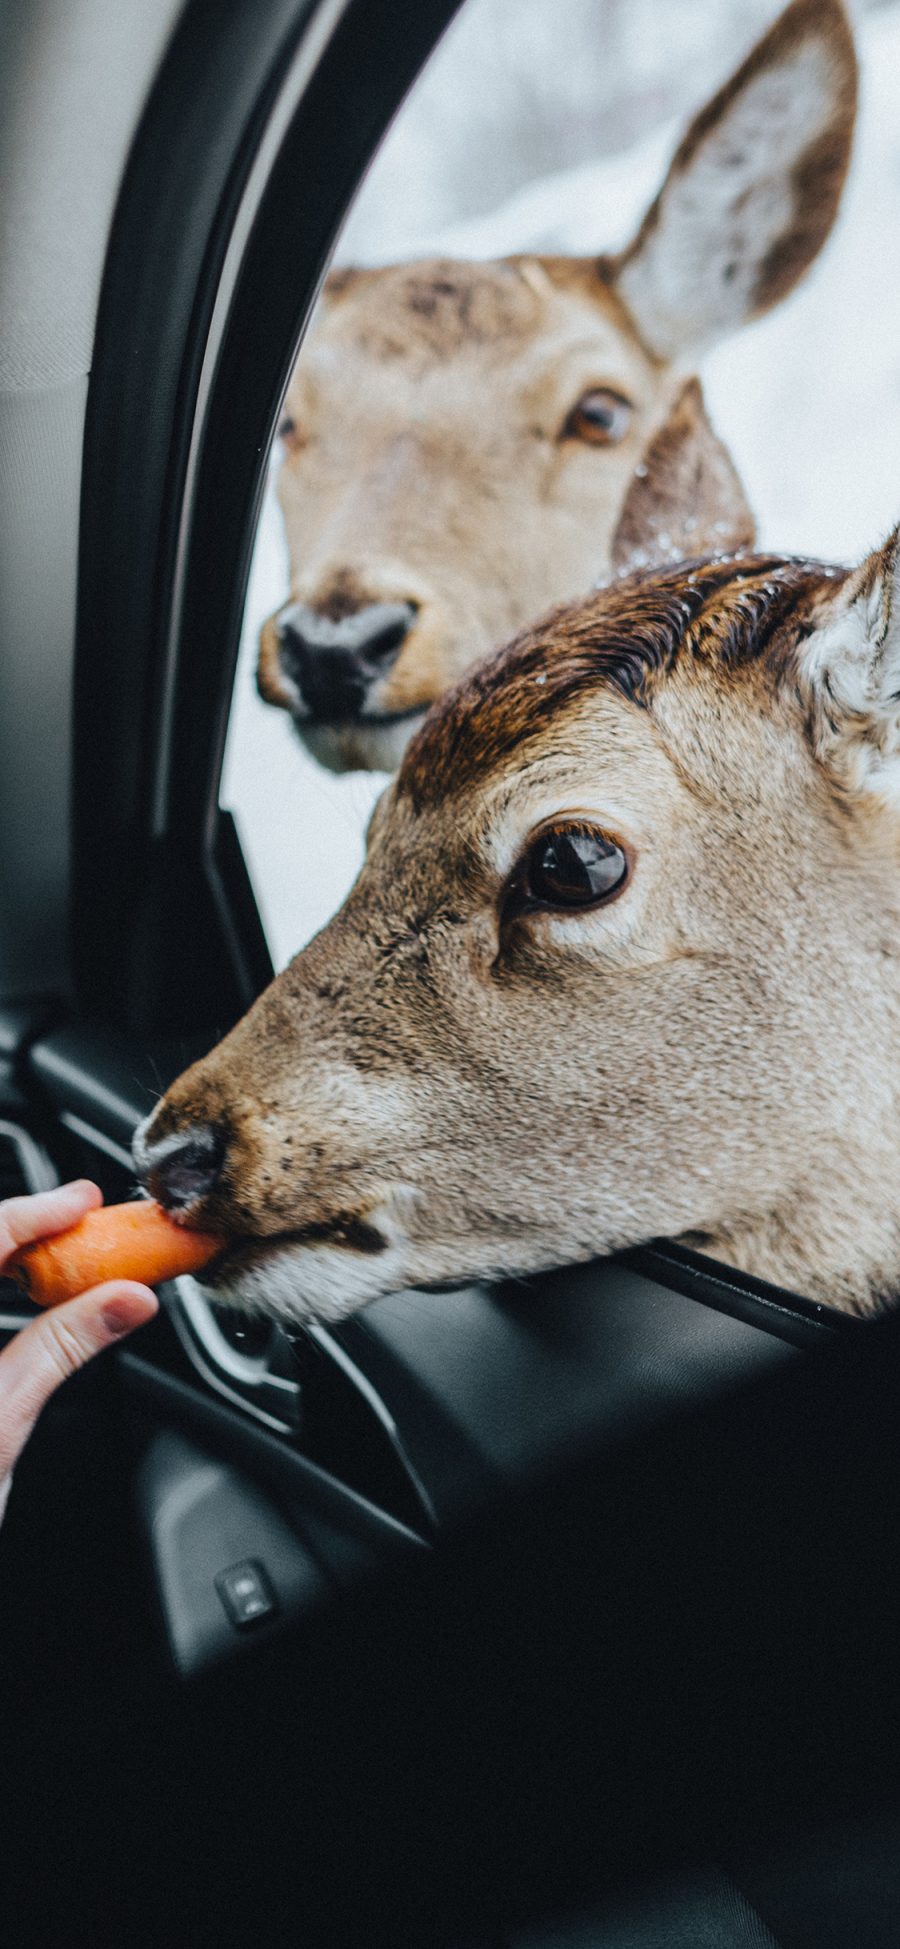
{"points": [[804, 1322], [166, 936]]}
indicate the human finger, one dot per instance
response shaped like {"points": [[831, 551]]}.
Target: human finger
{"points": [[56, 1345], [22, 1220]]}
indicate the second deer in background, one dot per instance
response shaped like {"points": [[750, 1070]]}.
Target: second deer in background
{"points": [[466, 443]]}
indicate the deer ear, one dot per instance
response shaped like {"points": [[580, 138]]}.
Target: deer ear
{"points": [[849, 676], [752, 191], [685, 498]]}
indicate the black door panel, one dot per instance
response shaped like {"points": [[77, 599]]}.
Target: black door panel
{"points": [[427, 1404]]}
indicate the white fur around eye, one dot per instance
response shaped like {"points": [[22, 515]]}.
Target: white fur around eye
{"points": [[615, 923]]}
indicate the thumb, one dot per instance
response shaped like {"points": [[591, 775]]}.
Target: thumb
{"points": [[54, 1346]]}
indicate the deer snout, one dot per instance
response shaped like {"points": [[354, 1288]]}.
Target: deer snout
{"points": [[180, 1169], [334, 666]]}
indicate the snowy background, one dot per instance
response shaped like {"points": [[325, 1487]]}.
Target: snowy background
{"points": [[547, 125]]}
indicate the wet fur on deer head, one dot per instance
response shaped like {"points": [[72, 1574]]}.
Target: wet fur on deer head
{"points": [[466, 443], [463, 1077]]}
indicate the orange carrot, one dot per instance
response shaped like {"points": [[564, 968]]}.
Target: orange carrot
{"points": [[136, 1241]]}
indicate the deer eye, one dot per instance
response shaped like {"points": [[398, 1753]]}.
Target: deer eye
{"points": [[286, 429], [601, 417], [568, 867]]}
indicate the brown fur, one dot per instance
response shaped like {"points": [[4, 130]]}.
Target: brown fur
{"points": [[629, 635], [686, 491], [445, 309], [432, 460], [817, 178], [712, 1054]]}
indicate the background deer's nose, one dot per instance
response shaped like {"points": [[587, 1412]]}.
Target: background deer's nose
{"points": [[335, 664], [180, 1169]]}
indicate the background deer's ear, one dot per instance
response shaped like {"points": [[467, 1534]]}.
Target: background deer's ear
{"points": [[685, 498], [849, 678], [752, 191]]}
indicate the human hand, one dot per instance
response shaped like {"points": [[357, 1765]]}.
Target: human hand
{"points": [[58, 1342]]}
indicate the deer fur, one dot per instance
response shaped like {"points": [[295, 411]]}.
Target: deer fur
{"points": [[441, 1086], [429, 455]]}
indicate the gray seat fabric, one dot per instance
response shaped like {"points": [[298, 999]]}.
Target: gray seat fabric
{"points": [[705, 1913]]}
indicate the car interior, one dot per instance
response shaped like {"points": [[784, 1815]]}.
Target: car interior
{"points": [[528, 1616]]}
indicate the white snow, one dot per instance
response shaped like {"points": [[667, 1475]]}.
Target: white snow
{"points": [[808, 401]]}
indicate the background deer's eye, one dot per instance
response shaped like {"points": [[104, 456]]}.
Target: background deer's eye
{"points": [[287, 428], [570, 866], [601, 417]]}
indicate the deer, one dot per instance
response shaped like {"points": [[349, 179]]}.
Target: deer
{"points": [[622, 963], [464, 444]]}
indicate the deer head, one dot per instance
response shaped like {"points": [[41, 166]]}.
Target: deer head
{"points": [[464, 444], [623, 961]]}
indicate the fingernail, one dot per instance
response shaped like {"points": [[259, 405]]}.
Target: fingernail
{"points": [[123, 1315]]}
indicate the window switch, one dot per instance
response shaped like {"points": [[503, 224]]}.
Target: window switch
{"points": [[247, 1594]]}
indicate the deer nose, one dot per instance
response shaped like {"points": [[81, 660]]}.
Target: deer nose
{"points": [[180, 1169], [335, 664]]}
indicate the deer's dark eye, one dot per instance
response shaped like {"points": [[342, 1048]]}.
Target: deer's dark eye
{"points": [[568, 867], [287, 428], [601, 417]]}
